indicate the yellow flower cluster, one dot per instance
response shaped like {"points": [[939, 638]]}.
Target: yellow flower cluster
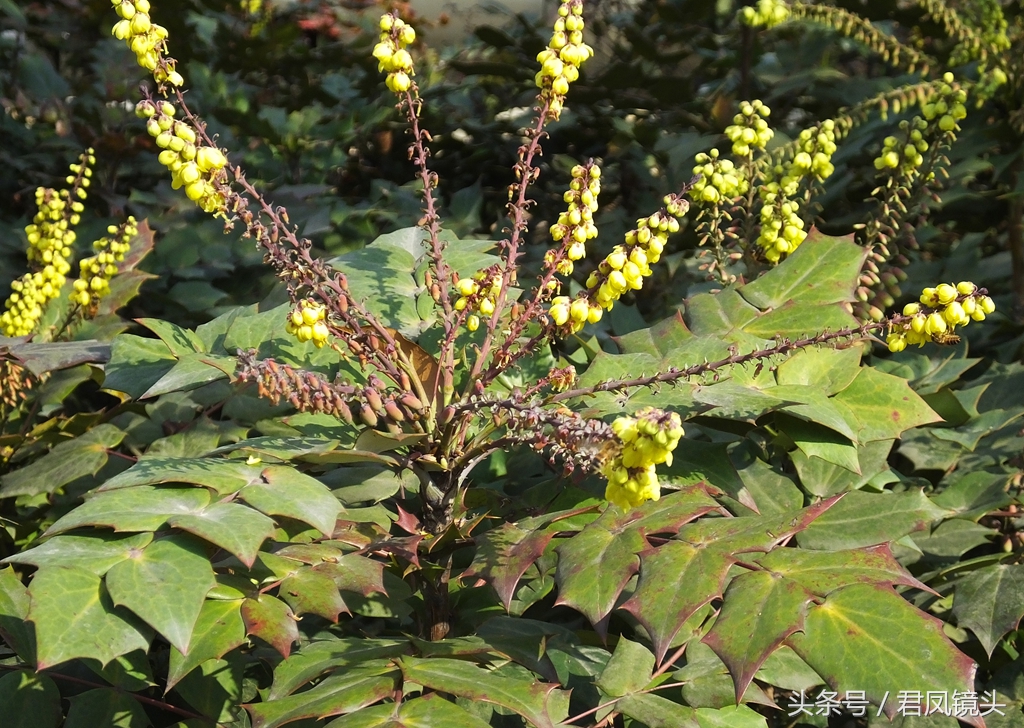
{"points": [[749, 130], [906, 154], [561, 60], [813, 157], [146, 39], [308, 322], [937, 314], [782, 229], [576, 225], [624, 269], [478, 294], [767, 13], [947, 106], [194, 166], [648, 440], [50, 237], [391, 55], [717, 179], [96, 271]]}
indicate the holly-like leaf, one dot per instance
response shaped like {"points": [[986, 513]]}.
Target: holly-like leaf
{"points": [[343, 692], [145, 508], [865, 519], [826, 370], [990, 602], [867, 637], [315, 658], [218, 630], [760, 609], [542, 704], [629, 670], [237, 529], [271, 620], [732, 716], [503, 555], [14, 607], [311, 592], [884, 406], [105, 708], [29, 700], [74, 617], [284, 491], [676, 579], [429, 711], [136, 364], [165, 584], [95, 552], [68, 461], [223, 476], [822, 572], [354, 573]]}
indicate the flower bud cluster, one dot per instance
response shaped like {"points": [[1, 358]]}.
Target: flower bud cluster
{"points": [[947, 105], [96, 271], [749, 130], [50, 237], [146, 40], [576, 225], [908, 154], [767, 13], [647, 440], [935, 316], [196, 167], [782, 228], [561, 60], [478, 294], [391, 55], [717, 179], [308, 322], [814, 150]]}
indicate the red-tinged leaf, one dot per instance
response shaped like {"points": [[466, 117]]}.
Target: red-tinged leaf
{"points": [[822, 572], [675, 581], [355, 573], [271, 620], [343, 692], [759, 610], [218, 630], [504, 554], [406, 548], [407, 521], [753, 533], [310, 592], [542, 704], [666, 515], [867, 637]]}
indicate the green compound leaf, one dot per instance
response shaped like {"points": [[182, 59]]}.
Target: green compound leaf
{"points": [[655, 711], [316, 658], [990, 602], [145, 508], [218, 630], [136, 364], [75, 617], [542, 704], [68, 461], [628, 671], [733, 716], [821, 442], [223, 476], [311, 592], [827, 370], [105, 708], [165, 584], [822, 572], [14, 606], [595, 564], [344, 692], [95, 552], [284, 491], [823, 270], [430, 711], [178, 341], [759, 611], [504, 554], [29, 701], [271, 620], [865, 519], [676, 580], [237, 529], [867, 637], [884, 406]]}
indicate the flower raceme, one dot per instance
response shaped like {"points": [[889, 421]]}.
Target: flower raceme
{"points": [[766, 13], [478, 295], [97, 271], [308, 322], [576, 225], [391, 55], [937, 314], [146, 39], [561, 60], [645, 441]]}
